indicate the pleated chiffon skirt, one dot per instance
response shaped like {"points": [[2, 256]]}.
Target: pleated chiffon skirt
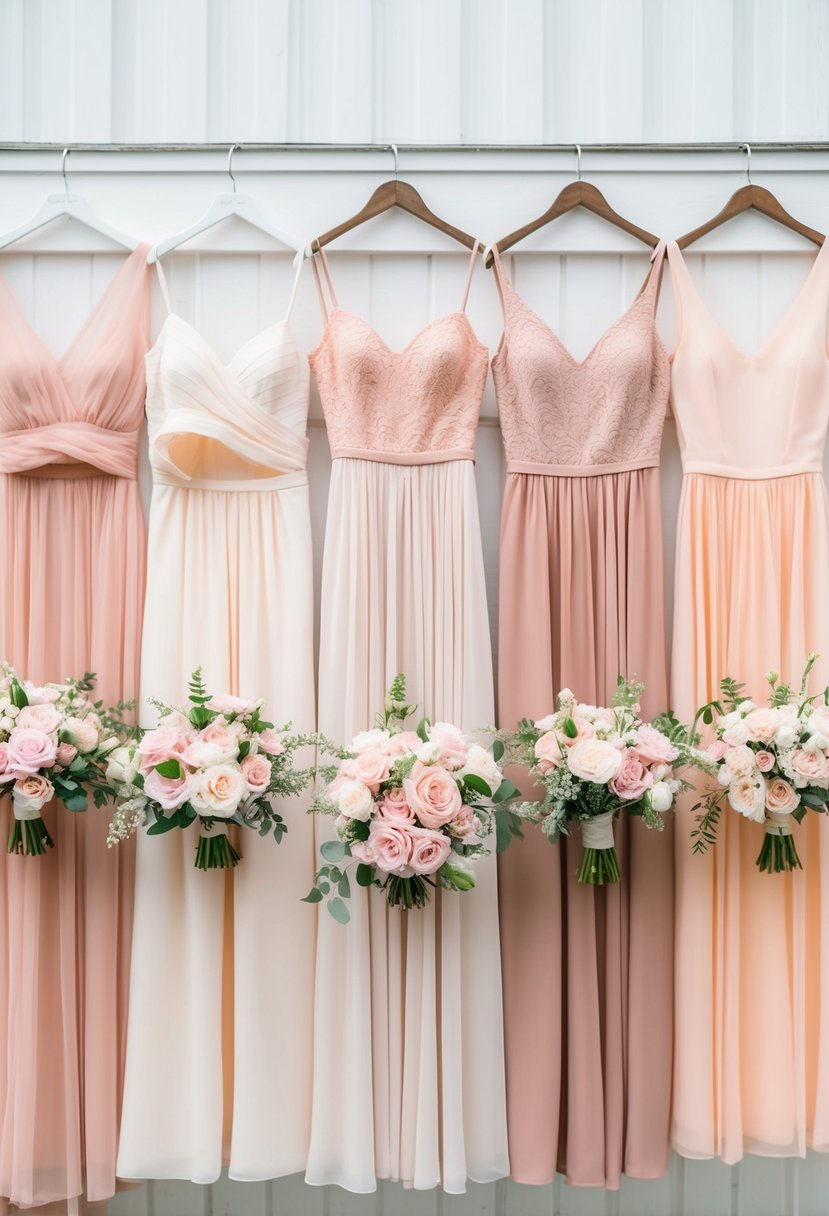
{"points": [[587, 970], [408, 1032], [752, 949]]}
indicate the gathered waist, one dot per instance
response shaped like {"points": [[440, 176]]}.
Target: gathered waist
{"points": [[69, 450], [581, 470], [404, 458], [281, 481], [771, 473]]}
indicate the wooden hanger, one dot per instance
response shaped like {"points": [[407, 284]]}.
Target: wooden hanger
{"points": [[750, 197], [577, 194], [394, 193]]}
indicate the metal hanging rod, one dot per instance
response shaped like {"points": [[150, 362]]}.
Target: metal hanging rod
{"points": [[385, 148]]}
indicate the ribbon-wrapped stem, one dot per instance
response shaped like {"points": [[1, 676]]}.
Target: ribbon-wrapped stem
{"points": [[29, 835], [599, 864], [779, 853], [214, 850]]}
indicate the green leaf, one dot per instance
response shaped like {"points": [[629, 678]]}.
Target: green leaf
{"points": [[244, 748], [708, 716], [477, 784], [333, 850], [169, 768], [339, 910], [16, 694], [313, 897], [77, 802], [570, 728], [423, 729], [497, 750], [344, 887], [505, 791], [161, 826], [365, 875], [360, 830], [503, 831]]}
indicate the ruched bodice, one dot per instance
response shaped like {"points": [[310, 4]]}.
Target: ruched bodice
{"points": [[602, 414], [752, 417], [237, 425], [415, 406], [77, 415]]}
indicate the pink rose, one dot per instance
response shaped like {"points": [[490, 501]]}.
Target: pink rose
{"points": [[432, 794], [764, 761], [465, 823], [163, 743], [632, 779], [224, 737], [780, 797], [29, 750], [40, 696], [762, 724], [584, 729], [404, 741], [430, 850], [169, 792], [5, 775], [271, 741], [224, 703], [66, 754], [391, 847], [807, 768], [41, 717], [452, 743], [31, 793], [371, 767], [361, 849], [717, 750], [257, 773], [393, 806], [549, 752], [653, 747]]}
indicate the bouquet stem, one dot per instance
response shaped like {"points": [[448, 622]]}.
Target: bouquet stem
{"points": [[406, 893], [29, 837], [600, 864], [778, 854], [214, 850]]}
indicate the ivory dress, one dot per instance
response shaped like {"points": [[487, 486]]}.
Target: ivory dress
{"points": [[219, 1046], [73, 563], [751, 1070], [408, 1026], [587, 970]]}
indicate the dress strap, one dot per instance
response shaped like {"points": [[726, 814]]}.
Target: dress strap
{"points": [[469, 273], [299, 261], [326, 274], [162, 282], [501, 276], [653, 279]]}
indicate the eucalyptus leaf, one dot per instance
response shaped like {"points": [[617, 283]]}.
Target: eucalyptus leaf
{"points": [[365, 875], [314, 896], [333, 850], [339, 910], [161, 826], [497, 750]]}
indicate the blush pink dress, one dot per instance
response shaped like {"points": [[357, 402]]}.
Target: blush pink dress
{"points": [[751, 1073], [408, 1043], [587, 971], [73, 555]]}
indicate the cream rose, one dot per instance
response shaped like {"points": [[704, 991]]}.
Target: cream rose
{"points": [[224, 703], [82, 732], [764, 760], [781, 797], [30, 794], [653, 747], [433, 795], [481, 763], [353, 799], [763, 724], [740, 760], [809, 768], [219, 790], [594, 760], [735, 734], [201, 754], [747, 796], [404, 741], [223, 738]]}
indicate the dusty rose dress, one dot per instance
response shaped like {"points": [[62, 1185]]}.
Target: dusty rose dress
{"points": [[587, 971], [73, 558]]}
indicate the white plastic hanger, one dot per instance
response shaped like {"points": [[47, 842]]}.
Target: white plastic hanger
{"points": [[73, 206], [222, 208]]}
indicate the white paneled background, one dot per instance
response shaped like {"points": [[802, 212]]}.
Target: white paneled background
{"points": [[425, 72]]}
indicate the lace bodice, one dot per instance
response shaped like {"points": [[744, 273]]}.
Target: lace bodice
{"points": [[415, 406], [602, 414]]}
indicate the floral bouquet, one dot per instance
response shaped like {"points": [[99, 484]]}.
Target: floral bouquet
{"points": [[414, 810], [218, 762], [595, 763], [771, 763], [53, 744]]}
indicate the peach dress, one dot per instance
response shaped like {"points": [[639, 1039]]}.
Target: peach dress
{"points": [[72, 592], [221, 1000], [587, 971], [752, 594], [408, 1051]]}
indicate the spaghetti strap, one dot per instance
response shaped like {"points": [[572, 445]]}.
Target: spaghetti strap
{"points": [[162, 281], [501, 276], [326, 274], [298, 264], [653, 279], [469, 272]]}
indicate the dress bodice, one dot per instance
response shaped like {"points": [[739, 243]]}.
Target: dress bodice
{"points": [[78, 415], [235, 426], [415, 406], [602, 414], [759, 417]]}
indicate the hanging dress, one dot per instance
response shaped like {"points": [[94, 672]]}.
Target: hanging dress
{"points": [[581, 602], [71, 598], [408, 1027], [751, 1072], [219, 1046]]}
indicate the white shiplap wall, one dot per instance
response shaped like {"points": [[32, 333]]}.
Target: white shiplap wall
{"points": [[441, 71]]}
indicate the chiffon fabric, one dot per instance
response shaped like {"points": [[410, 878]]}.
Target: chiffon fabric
{"points": [[587, 970], [752, 587], [74, 549], [219, 1045], [408, 1026]]}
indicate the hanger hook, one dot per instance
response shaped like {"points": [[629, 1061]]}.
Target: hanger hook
{"points": [[63, 170], [231, 150], [748, 163], [395, 155], [578, 161]]}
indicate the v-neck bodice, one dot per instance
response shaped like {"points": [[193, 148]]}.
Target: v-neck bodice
{"points": [[603, 414], [758, 416], [77, 415]]}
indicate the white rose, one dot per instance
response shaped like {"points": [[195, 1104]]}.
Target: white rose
{"points": [[745, 707], [661, 797], [588, 712], [202, 753], [429, 753], [122, 766], [355, 800], [747, 796], [820, 741], [735, 734], [660, 771], [370, 738], [594, 760], [82, 733], [219, 791], [786, 736], [481, 763], [547, 723]]}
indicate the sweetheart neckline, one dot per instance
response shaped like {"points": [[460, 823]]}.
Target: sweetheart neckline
{"points": [[283, 323], [397, 354]]}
